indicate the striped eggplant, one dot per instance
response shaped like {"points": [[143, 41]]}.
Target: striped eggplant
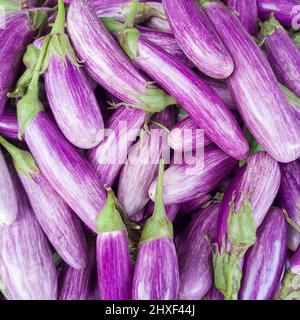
{"points": [[285, 10], [108, 64], [8, 197], [186, 136], [9, 125], [198, 99], [264, 262], [58, 222], [259, 99], [289, 198], [197, 38], [122, 128], [112, 252], [156, 275], [185, 181], [282, 53], [74, 284], [141, 166], [195, 204], [62, 165], [27, 269], [195, 254], [18, 31], [247, 13], [159, 24]]}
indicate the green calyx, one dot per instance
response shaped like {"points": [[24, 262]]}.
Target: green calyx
{"points": [[204, 2], [128, 39], [109, 219], [112, 25], [290, 289], [23, 160], [292, 98], [158, 225], [38, 19], [270, 26], [9, 6]]}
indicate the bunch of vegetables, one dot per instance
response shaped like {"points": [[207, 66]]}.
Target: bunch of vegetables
{"points": [[106, 190]]}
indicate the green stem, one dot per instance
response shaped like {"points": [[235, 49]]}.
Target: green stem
{"points": [[129, 21], [10, 148], [292, 98], [229, 286], [59, 24]]}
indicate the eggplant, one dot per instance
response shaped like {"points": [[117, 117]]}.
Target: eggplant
{"points": [[289, 198], [156, 275], [8, 197], [195, 204], [9, 125], [199, 100], [282, 53], [185, 181], [186, 136], [247, 13], [58, 222], [108, 64], [264, 262], [74, 284], [27, 268], [112, 252], [259, 99], [122, 128], [197, 38], [195, 254], [284, 10], [141, 166]]}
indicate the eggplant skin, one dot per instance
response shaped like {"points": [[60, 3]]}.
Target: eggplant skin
{"points": [[8, 197], [156, 275], [9, 125], [66, 170], [197, 38], [13, 41], [259, 99], [195, 254], [27, 268], [264, 262]]}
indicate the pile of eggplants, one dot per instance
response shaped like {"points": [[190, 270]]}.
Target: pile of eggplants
{"points": [[150, 150]]}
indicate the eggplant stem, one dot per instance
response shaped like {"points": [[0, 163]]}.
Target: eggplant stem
{"points": [[59, 24]]}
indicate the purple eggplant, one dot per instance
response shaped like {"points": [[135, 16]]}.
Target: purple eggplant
{"points": [[198, 38], [108, 64], [185, 181], [285, 10], [282, 53], [9, 125], [247, 13], [59, 223], [195, 254], [198, 99], [156, 275], [259, 99], [113, 256], [195, 204], [27, 268], [186, 136], [289, 198], [74, 284], [141, 167], [264, 262], [214, 294], [122, 128], [8, 197]]}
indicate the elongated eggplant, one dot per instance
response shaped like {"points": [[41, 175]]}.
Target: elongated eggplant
{"points": [[284, 10], [289, 198], [74, 284], [282, 53], [9, 125], [184, 181], [247, 12], [259, 99], [265, 261], [195, 254], [199, 100], [186, 136], [141, 166], [59, 223], [156, 275], [108, 64], [198, 38], [8, 197], [27, 268], [195, 204], [113, 257]]}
